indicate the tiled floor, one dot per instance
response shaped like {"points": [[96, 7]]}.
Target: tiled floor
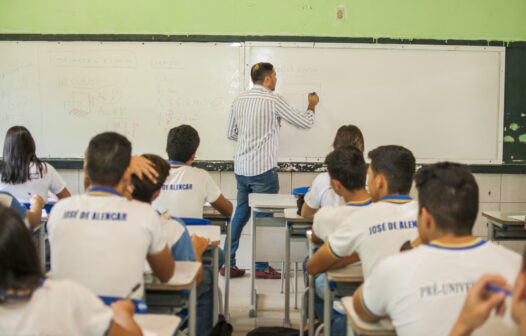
{"points": [[270, 303]]}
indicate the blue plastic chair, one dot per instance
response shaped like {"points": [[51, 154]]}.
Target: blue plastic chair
{"points": [[195, 221], [47, 206], [300, 191], [140, 305]]}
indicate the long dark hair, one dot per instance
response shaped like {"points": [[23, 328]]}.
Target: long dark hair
{"points": [[19, 264], [19, 153]]}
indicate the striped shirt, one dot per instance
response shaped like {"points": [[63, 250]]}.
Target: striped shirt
{"points": [[254, 123]]}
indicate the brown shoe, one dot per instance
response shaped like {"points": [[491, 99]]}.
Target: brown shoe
{"points": [[234, 272], [269, 273]]}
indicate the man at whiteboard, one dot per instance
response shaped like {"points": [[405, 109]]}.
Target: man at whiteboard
{"points": [[254, 123]]}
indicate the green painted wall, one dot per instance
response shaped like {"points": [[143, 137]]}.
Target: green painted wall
{"points": [[435, 19]]}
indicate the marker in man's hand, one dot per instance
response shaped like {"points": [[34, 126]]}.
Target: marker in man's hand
{"points": [[497, 289], [312, 93]]}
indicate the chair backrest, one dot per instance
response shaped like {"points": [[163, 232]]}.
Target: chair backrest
{"points": [[300, 190], [47, 206], [195, 221], [140, 305]]}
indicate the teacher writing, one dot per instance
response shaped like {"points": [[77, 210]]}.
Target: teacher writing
{"points": [[254, 123]]}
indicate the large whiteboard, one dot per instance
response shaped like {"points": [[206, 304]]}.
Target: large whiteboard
{"points": [[442, 102]]}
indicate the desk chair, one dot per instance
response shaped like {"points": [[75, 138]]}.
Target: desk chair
{"points": [[195, 221], [140, 305]]}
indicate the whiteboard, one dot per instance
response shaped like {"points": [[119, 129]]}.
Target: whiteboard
{"points": [[67, 92], [441, 102]]}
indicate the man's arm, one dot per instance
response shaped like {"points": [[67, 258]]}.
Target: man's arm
{"points": [[322, 260], [223, 205], [232, 130], [345, 261], [360, 309], [287, 112], [162, 264]]}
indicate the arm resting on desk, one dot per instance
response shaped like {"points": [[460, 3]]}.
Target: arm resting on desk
{"points": [[307, 211], [123, 322], [345, 261], [322, 260], [162, 264], [223, 205], [360, 308]]}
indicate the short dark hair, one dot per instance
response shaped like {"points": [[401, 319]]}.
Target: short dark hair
{"points": [[144, 189], [347, 165], [18, 154], [259, 71], [451, 195], [397, 164], [109, 156], [348, 135], [182, 143], [19, 263]]}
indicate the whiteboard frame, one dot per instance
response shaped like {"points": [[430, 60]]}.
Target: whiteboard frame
{"points": [[501, 51]]}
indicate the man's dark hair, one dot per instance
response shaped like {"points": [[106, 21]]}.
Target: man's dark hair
{"points": [[109, 155], [259, 71], [144, 189], [19, 263], [348, 135], [397, 164], [347, 165], [451, 195], [182, 143]]}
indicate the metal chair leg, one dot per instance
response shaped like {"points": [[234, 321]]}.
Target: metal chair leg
{"points": [[282, 277], [295, 285]]}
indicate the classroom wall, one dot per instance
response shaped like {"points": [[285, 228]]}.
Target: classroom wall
{"points": [[444, 19]]}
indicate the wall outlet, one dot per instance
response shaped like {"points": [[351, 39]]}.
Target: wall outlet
{"points": [[340, 14]]}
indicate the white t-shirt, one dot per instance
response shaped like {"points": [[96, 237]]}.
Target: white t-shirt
{"points": [[50, 181], [423, 290], [320, 194], [329, 218], [185, 192], [377, 231], [58, 307], [101, 240]]}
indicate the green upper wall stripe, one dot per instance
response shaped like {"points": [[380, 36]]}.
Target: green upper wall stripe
{"points": [[488, 20]]}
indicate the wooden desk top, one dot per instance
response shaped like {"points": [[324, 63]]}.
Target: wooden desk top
{"points": [[212, 232], [382, 327], [291, 215], [502, 217], [157, 324], [349, 273], [185, 273], [271, 201]]}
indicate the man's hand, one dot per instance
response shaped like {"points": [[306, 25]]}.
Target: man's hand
{"points": [[200, 245], [141, 166], [479, 303], [313, 100]]}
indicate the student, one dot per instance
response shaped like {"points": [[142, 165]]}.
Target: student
{"points": [[422, 290], [23, 174], [321, 193], [31, 217], [182, 246], [379, 229], [101, 239], [30, 304], [188, 188]]}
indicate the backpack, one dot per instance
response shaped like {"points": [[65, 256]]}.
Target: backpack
{"points": [[222, 328], [278, 331]]}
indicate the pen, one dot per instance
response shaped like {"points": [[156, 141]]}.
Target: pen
{"points": [[134, 289], [497, 289]]}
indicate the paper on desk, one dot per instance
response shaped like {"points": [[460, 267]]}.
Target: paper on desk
{"points": [[520, 218]]}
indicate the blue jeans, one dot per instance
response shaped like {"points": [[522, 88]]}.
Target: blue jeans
{"points": [[266, 183]]}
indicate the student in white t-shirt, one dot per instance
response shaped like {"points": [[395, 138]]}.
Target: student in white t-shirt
{"points": [[188, 188], [101, 239], [378, 230], [23, 174], [321, 193], [423, 290], [30, 304]]}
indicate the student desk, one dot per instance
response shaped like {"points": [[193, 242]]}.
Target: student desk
{"points": [[310, 313], [183, 278], [158, 324], [356, 326], [349, 273], [502, 227], [271, 204], [215, 217], [213, 233], [296, 226]]}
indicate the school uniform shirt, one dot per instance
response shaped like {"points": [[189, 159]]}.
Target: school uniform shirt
{"points": [[328, 219], [57, 307], [185, 191], [7, 200], [39, 185], [423, 290], [101, 240], [377, 231], [320, 194]]}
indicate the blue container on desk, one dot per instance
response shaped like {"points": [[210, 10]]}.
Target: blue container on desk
{"points": [[47, 206], [140, 305]]}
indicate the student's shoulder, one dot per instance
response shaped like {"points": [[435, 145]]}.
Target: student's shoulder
{"points": [[403, 261], [322, 179]]}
